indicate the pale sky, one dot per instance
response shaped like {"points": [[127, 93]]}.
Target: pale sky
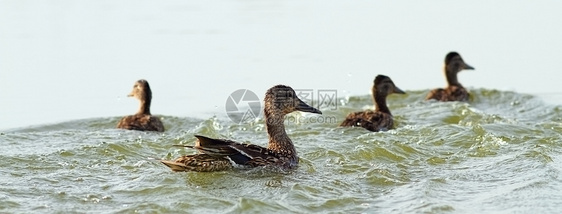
{"points": [[65, 60]]}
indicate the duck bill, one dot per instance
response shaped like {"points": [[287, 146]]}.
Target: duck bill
{"points": [[398, 91], [468, 67], [302, 106]]}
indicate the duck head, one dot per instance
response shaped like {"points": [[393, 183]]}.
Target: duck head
{"points": [[282, 100], [455, 63], [141, 90], [383, 86]]}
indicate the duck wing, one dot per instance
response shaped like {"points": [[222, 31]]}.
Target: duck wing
{"points": [[451, 93], [371, 120], [155, 124], [457, 94], [128, 122], [198, 163], [141, 122], [438, 94], [239, 153], [353, 119]]}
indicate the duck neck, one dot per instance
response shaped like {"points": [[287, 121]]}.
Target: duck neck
{"points": [[144, 106], [279, 141], [451, 75], [380, 102]]}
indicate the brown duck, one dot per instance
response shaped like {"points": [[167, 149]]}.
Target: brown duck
{"points": [[142, 120], [221, 154], [380, 119], [454, 91]]}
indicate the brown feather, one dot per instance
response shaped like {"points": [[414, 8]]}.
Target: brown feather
{"points": [[371, 120], [221, 154], [451, 93], [454, 91], [198, 163], [380, 119], [142, 120]]}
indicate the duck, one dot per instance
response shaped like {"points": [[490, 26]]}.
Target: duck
{"points": [[223, 154], [454, 91], [142, 120], [380, 119]]}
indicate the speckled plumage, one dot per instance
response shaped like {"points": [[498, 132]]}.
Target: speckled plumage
{"points": [[454, 91], [221, 154], [380, 119], [142, 120]]}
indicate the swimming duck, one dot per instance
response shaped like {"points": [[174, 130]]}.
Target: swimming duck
{"points": [[454, 91], [222, 154], [142, 120], [380, 119]]}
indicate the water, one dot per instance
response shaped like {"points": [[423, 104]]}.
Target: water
{"points": [[498, 154]]}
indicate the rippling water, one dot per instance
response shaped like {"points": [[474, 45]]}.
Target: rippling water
{"points": [[497, 154]]}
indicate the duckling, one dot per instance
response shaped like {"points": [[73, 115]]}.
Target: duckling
{"points": [[222, 154], [380, 119], [454, 91], [142, 120]]}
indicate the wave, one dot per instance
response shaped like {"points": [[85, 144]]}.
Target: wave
{"points": [[498, 149]]}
